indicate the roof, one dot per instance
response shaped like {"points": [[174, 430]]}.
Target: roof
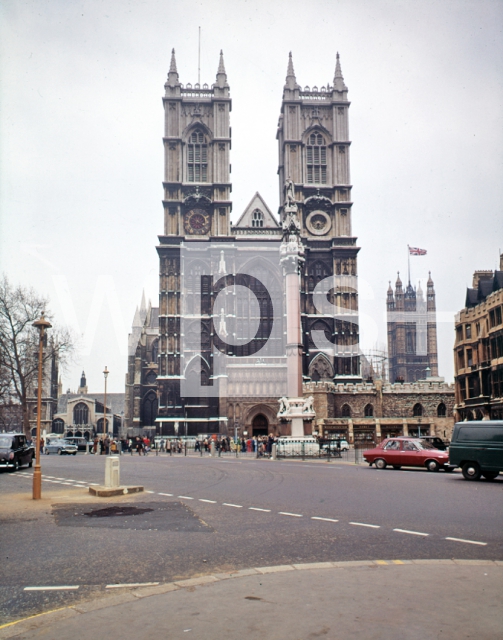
{"points": [[485, 287]]}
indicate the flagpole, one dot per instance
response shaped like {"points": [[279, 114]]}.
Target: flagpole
{"points": [[408, 260]]}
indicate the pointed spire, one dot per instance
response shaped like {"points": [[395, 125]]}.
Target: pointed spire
{"points": [[221, 66], [137, 320], [290, 71], [430, 281], [143, 306], [173, 80], [172, 67], [291, 81], [221, 74], [338, 77]]}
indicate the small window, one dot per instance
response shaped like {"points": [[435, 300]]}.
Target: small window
{"points": [[418, 410], [346, 411], [469, 358], [468, 331], [392, 445], [441, 410], [257, 218], [498, 315], [369, 410]]}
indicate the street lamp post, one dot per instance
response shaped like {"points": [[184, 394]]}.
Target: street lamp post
{"points": [[105, 373], [41, 324]]}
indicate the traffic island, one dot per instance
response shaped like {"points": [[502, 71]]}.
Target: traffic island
{"points": [[103, 491], [112, 486]]}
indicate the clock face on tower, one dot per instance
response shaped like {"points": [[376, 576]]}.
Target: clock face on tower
{"points": [[196, 221]]}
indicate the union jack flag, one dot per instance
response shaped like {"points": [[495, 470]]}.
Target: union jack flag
{"points": [[415, 251]]}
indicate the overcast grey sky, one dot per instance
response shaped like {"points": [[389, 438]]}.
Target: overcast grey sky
{"points": [[82, 123]]}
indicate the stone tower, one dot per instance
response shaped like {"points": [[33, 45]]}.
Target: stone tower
{"points": [[313, 137], [412, 332], [197, 206]]}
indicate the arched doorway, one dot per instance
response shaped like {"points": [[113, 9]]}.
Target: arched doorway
{"points": [[260, 425]]}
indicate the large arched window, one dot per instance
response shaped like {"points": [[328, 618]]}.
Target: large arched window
{"points": [[346, 411], [316, 159], [441, 410], [149, 409], [257, 218], [417, 412], [58, 426], [197, 157], [369, 410], [81, 414]]}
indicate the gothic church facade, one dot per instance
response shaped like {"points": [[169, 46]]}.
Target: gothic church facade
{"points": [[314, 151]]}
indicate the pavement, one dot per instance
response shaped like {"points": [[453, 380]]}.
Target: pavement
{"points": [[368, 600]]}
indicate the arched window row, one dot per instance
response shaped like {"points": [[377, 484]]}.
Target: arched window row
{"points": [[257, 218]]}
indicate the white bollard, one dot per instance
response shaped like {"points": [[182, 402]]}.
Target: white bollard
{"points": [[212, 449], [274, 451]]}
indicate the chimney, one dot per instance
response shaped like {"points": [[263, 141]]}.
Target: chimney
{"points": [[481, 275]]}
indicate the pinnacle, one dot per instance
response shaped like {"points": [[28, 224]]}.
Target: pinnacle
{"points": [[172, 67], [338, 77], [290, 72], [221, 66]]}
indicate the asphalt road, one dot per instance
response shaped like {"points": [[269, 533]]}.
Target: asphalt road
{"points": [[201, 515]]}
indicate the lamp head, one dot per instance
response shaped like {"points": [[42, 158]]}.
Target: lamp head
{"points": [[106, 372], [42, 323]]}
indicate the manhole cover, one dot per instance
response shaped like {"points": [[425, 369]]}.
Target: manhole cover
{"points": [[110, 512]]}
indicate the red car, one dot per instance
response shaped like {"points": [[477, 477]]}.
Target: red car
{"points": [[407, 452]]}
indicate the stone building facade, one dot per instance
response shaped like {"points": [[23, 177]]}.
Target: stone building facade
{"points": [[370, 411], [478, 349], [314, 174], [412, 332]]}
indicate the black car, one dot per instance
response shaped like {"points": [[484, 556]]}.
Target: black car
{"points": [[15, 451], [436, 442]]}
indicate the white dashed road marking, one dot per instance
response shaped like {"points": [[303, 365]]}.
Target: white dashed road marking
{"points": [[324, 519], [228, 504], [258, 509], [166, 494], [58, 588], [362, 524], [210, 501], [147, 491], [186, 498], [294, 515], [483, 544], [412, 533]]}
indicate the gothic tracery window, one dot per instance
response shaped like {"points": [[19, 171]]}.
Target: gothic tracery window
{"points": [[197, 157], [316, 159], [81, 414]]}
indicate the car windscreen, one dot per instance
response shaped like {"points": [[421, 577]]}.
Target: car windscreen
{"points": [[5, 443]]}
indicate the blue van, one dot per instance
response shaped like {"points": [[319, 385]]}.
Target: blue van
{"points": [[477, 447]]}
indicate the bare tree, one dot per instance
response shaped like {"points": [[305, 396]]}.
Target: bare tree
{"points": [[19, 308]]}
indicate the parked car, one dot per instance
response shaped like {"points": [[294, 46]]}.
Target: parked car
{"points": [[477, 447], [407, 452], [60, 446], [15, 451], [80, 442], [436, 442]]}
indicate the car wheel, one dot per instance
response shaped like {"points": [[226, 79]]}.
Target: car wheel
{"points": [[60, 452], [380, 463], [471, 471], [15, 467], [490, 475], [397, 467], [432, 465], [74, 453], [30, 464]]}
